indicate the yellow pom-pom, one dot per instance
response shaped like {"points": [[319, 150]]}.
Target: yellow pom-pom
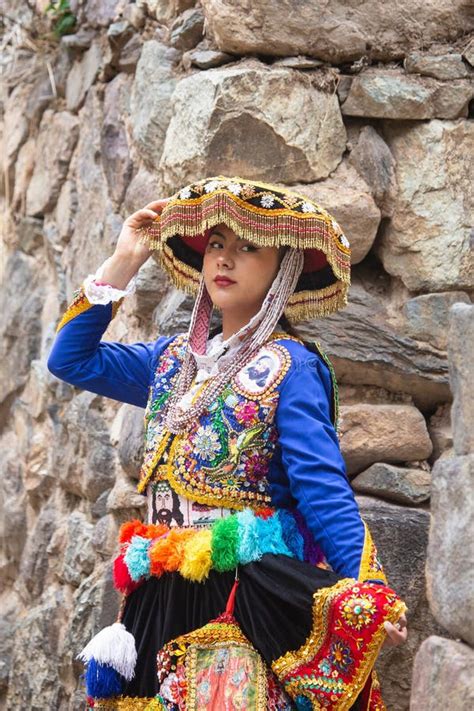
{"points": [[197, 562]]}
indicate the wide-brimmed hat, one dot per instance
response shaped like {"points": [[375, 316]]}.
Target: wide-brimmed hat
{"points": [[266, 215]]}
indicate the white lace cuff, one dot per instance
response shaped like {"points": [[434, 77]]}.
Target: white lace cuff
{"points": [[104, 293]]}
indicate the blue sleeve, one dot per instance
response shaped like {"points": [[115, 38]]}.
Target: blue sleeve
{"points": [[115, 370], [315, 466]]}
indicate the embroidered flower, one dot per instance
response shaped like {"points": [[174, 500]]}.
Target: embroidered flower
{"points": [[247, 412], [247, 192], [211, 186], [344, 241], [234, 188], [325, 667], [206, 442], [358, 610], [307, 207], [340, 655], [185, 194], [256, 468], [267, 200]]}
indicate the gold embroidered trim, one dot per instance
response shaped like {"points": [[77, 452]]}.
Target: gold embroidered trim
{"points": [[147, 472], [294, 659], [128, 703], [79, 304], [370, 567]]}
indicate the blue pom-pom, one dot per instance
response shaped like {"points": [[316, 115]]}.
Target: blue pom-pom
{"points": [[102, 681], [248, 547], [270, 536], [136, 557], [291, 535]]}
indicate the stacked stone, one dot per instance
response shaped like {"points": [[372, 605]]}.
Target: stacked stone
{"points": [[365, 110], [443, 674]]}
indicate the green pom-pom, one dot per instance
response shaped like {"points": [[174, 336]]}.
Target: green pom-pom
{"points": [[225, 543]]}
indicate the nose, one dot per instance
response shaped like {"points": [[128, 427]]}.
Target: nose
{"points": [[224, 259]]}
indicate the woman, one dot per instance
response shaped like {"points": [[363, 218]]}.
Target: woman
{"points": [[255, 583]]}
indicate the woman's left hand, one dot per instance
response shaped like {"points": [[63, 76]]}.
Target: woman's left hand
{"points": [[396, 633]]}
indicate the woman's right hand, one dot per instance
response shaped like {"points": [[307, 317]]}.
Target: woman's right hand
{"points": [[130, 254]]}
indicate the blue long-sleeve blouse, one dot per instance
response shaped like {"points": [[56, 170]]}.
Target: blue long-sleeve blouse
{"points": [[307, 470]]}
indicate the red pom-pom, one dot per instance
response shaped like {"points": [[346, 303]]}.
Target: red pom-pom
{"points": [[122, 579]]}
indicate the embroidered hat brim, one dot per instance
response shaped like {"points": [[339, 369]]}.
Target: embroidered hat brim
{"points": [[266, 215]]}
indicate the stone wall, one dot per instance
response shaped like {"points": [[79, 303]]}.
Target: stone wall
{"points": [[362, 106]]}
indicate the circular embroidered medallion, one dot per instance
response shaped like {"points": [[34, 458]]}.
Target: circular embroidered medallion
{"points": [[264, 371]]}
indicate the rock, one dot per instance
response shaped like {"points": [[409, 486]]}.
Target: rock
{"points": [[100, 13], [468, 53], [336, 32], [449, 564], [427, 241], [134, 15], [131, 439], [105, 537], [16, 122], [82, 76], [166, 10], [30, 234], [391, 94], [124, 497], [38, 479], [84, 461], [78, 41], [382, 433], [300, 62], [7, 631], [461, 332], [142, 189], [374, 162], [187, 30], [443, 676], [130, 55], [151, 286], [440, 430], [116, 159], [56, 141], [401, 534], [438, 66], [151, 99], [206, 58], [118, 33], [79, 556], [66, 210], [24, 167], [347, 197], [89, 247], [172, 314], [35, 682], [270, 124], [20, 326], [427, 316], [365, 349], [399, 484], [12, 510], [34, 560]]}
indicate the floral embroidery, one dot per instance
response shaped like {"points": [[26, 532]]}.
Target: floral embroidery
{"points": [[267, 200], [234, 188], [344, 241], [256, 468], [359, 610], [247, 412], [211, 186], [308, 207], [340, 655], [206, 442], [185, 193]]}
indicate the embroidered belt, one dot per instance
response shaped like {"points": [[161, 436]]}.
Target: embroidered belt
{"points": [[153, 549], [166, 506]]}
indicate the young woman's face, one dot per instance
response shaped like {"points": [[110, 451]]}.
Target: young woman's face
{"points": [[247, 271]]}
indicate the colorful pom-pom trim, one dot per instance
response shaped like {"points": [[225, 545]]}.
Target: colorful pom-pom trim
{"points": [[151, 550]]}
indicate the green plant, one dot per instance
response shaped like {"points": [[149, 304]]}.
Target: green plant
{"points": [[64, 19]]}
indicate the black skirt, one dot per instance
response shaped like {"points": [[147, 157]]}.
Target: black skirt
{"points": [[273, 607]]}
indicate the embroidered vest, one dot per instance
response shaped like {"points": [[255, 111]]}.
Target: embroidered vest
{"points": [[224, 457]]}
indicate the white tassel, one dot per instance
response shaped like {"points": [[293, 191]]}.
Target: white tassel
{"points": [[113, 646]]}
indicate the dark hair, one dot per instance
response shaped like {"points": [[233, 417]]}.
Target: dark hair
{"points": [[291, 330]]}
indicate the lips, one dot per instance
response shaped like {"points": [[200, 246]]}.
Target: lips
{"points": [[223, 281]]}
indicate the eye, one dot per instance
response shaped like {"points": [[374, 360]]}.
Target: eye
{"points": [[213, 242], [249, 247]]}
